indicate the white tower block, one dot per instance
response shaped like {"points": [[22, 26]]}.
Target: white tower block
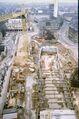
{"points": [[55, 8]]}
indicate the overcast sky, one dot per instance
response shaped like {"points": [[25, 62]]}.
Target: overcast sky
{"points": [[34, 1]]}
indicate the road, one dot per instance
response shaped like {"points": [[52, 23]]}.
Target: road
{"points": [[30, 34], [29, 87], [63, 39], [30, 80]]}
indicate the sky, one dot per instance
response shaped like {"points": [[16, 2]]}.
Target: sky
{"points": [[34, 1]]}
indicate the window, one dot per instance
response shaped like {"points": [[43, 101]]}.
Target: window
{"points": [[42, 116], [46, 117], [57, 116], [48, 24]]}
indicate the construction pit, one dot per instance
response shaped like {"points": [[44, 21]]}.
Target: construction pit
{"points": [[47, 71]]}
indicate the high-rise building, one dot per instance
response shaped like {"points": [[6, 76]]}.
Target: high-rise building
{"points": [[53, 9]]}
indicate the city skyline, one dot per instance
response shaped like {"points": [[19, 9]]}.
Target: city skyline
{"points": [[39, 1]]}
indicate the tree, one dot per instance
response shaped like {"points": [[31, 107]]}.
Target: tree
{"points": [[74, 78]]}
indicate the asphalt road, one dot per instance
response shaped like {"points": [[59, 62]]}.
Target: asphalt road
{"points": [[63, 39]]}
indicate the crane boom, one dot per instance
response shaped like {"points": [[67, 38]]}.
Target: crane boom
{"points": [[10, 16]]}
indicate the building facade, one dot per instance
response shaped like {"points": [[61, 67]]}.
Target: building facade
{"points": [[51, 25], [73, 30], [73, 34], [0, 37], [51, 11]]}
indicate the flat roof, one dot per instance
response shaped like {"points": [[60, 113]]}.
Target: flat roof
{"points": [[8, 111], [49, 49], [10, 116]]}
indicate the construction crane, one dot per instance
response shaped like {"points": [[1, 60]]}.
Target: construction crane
{"points": [[10, 16]]}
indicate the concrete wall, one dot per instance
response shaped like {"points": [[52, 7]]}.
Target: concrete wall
{"points": [[58, 114], [0, 37]]}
